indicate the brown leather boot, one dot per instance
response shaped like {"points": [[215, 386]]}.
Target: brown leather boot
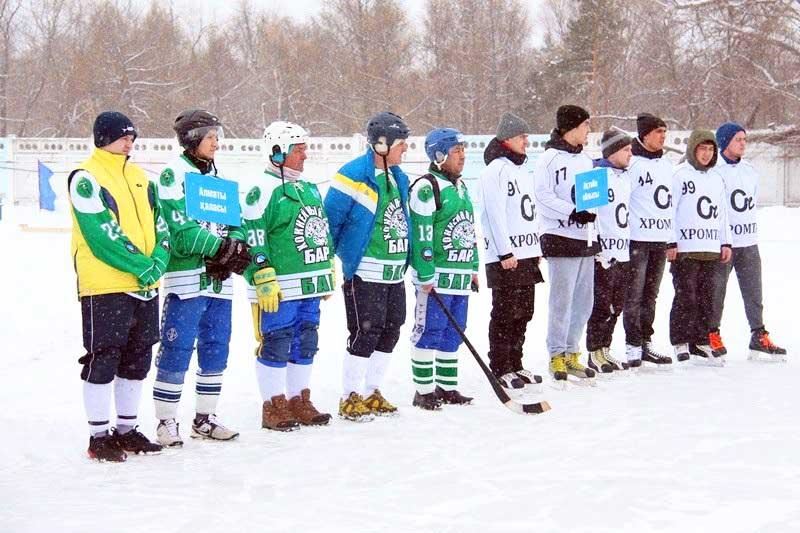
{"points": [[275, 414], [304, 411]]}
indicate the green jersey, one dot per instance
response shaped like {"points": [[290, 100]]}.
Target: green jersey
{"points": [[287, 229], [443, 251], [192, 240], [386, 256]]}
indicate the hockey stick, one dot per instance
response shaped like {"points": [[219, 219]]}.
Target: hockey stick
{"points": [[502, 395]]}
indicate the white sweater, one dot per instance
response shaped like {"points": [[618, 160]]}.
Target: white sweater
{"points": [[554, 176], [701, 217], [651, 199], [612, 219], [741, 197]]}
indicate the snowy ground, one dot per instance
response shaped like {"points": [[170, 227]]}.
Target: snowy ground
{"points": [[696, 449]]}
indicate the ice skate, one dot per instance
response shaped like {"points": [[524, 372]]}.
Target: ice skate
{"points": [[598, 362], [681, 352], [617, 366], [106, 448], [704, 355], [167, 434], [717, 346], [634, 356], [533, 382], [582, 374], [558, 368], [135, 442], [353, 408], [511, 381], [650, 355], [763, 349], [208, 427]]}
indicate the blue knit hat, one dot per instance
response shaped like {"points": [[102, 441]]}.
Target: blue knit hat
{"points": [[725, 134]]}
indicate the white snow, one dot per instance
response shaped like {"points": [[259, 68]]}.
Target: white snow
{"points": [[696, 449]]}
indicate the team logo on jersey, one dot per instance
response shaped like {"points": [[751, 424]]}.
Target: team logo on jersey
{"points": [[172, 334], [253, 196], [131, 247], [427, 254], [84, 188], [458, 238], [311, 234], [167, 177], [395, 228]]}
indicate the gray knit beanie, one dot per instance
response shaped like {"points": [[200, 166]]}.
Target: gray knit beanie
{"points": [[510, 126], [613, 141]]}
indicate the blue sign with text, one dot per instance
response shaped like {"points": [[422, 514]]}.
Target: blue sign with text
{"points": [[212, 199], [591, 189]]}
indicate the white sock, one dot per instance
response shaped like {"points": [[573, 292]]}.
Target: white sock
{"points": [[422, 369], [97, 403], [353, 371], [271, 380], [166, 397], [207, 389], [127, 394], [378, 363], [297, 379]]}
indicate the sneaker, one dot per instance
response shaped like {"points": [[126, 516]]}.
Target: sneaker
{"points": [[615, 365], [634, 355], [428, 402], [558, 367], [106, 448], [167, 434], [760, 343], [353, 408], [650, 355], [276, 415], [451, 397], [511, 380], [378, 405], [208, 427], [135, 442], [528, 377], [681, 352], [717, 346], [598, 363], [576, 368], [305, 412]]}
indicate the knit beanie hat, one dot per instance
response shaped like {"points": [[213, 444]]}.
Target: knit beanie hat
{"points": [[645, 123], [726, 133], [569, 117], [613, 141], [110, 126], [510, 126]]}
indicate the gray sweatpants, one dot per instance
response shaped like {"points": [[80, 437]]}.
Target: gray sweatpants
{"points": [[570, 304], [747, 263]]}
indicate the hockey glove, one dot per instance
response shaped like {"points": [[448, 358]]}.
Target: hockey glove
{"points": [[233, 255], [582, 217], [267, 289]]}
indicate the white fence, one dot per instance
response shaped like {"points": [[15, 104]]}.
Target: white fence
{"points": [[780, 181]]}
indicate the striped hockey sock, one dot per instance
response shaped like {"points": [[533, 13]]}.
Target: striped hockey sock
{"points": [[447, 370], [207, 390], [422, 369], [167, 393]]}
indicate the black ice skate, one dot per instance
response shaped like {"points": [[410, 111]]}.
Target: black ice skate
{"points": [[762, 348], [704, 355], [650, 355]]}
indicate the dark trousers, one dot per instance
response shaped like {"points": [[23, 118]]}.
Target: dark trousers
{"points": [[610, 285], [119, 332], [375, 313], [646, 270], [747, 263], [512, 309], [690, 319]]}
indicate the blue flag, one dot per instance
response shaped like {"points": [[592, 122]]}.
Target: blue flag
{"points": [[47, 197]]}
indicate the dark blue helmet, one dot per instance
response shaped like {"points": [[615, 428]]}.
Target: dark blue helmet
{"points": [[439, 142], [384, 129]]}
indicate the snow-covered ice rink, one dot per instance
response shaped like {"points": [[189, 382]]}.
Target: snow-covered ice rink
{"points": [[694, 449]]}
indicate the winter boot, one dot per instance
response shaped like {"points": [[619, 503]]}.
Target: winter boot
{"points": [[511, 380], [451, 397], [558, 367], [528, 377], [277, 415], [106, 448], [634, 355], [167, 434], [576, 368], [717, 346], [681, 352], [598, 362], [304, 411], [650, 355], [208, 427], [353, 408], [378, 405], [617, 366], [428, 402], [134, 442], [761, 344]]}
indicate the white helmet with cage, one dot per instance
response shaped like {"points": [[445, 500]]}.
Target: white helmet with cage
{"points": [[279, 138]]}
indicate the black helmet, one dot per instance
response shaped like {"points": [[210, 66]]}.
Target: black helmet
{"points": [[384, 129], [192, 125]]}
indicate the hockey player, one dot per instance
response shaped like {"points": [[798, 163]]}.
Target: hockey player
{"points": [[508, 219], [120, 248], [287, 232], [563, 234], [741, 196], [197, 305], [701, 240], [444, 258], [367, 207], [611, 264], [651, 228]]}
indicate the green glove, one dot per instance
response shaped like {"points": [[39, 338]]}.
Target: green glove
{"points": [[267, 289]]}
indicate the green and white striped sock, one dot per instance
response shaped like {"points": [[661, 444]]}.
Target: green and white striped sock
{"points": [[447, 370], [422, 369]]}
